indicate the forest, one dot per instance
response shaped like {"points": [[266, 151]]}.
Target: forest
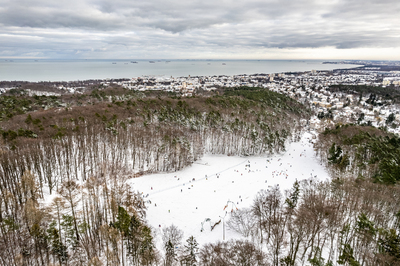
{"points": [[387, 93], [64, 199], [361, 151]]}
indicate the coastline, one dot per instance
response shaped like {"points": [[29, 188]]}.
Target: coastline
{"points": [[75, 70]]}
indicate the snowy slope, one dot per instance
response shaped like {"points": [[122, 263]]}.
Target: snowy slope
{"points": [[175, 198]]}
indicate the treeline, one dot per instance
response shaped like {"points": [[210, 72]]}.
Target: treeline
{"points": [[81, 224], [339, 222], [361, 151], [388, 93], [269, 98], [11, 106], [142, 135], [102, 222]]}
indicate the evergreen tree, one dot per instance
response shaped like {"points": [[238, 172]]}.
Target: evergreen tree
{"points": [[291, 201], [346, 256], [334, 154], [318, 260], [147, 255], [170, 255], [58, 249], [389, 244], [69, 232], [123, 222], [390, 119], [190, 258]]}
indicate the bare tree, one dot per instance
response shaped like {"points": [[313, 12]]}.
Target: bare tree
{"points": [[242, 221], [70, 191], [171, 237]]}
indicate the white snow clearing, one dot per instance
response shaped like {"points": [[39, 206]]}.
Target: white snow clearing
{"points": [[216, 185]]}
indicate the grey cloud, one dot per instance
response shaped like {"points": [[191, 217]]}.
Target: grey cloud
{"points": [[173, 16], [96, 27]]}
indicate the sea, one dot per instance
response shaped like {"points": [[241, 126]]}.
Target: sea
{"points": [[73, 70]]}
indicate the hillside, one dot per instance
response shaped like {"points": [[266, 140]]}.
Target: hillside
{"points": [[361, 151], [78, 151]]}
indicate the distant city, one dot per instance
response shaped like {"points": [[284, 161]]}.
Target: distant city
{"points": [[310, 88]]}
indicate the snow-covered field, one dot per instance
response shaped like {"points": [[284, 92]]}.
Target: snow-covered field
{"points": [[186, 198]]}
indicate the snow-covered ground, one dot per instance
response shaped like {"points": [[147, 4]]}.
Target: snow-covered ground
{"points": [[187, 197]]}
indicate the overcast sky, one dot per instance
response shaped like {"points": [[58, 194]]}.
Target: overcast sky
{"points": [[236, 29]]}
